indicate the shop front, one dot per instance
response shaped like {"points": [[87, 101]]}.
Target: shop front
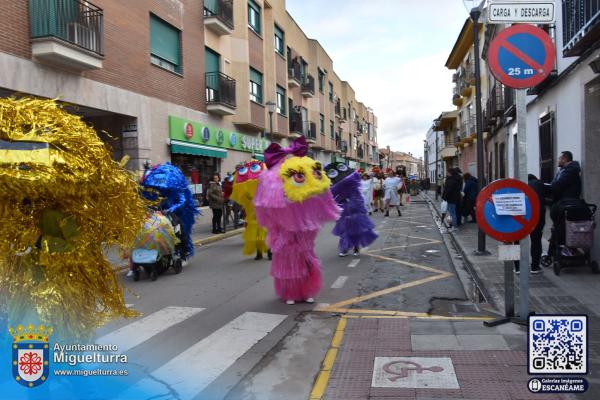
{"points": [[201, 151]]}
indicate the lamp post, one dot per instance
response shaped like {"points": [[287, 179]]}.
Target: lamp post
{"points": [[474, 7], [271, 107]]}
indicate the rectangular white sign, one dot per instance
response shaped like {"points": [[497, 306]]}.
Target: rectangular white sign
{"points": [[509, 203], [506, 12], [509, 252]]}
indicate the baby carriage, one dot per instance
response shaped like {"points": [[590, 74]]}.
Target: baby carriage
{"points": [[158, 247], [572, 237]]}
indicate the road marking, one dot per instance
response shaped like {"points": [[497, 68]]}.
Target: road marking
{"points": [[353, 263], [339, 282], [322, 380], [143, 329], [192, 371], [128, 305], [321, 305]]}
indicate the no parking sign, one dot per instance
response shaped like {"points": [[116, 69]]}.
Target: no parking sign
{"points": [[507, 210]]}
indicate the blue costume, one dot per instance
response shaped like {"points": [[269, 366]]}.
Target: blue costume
{"points": [[171, 184], [354, 227]]}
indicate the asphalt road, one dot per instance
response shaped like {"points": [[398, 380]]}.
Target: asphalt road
{"points": [[217, 329]]}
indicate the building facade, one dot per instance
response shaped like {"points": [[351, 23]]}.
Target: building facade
{"points": [[191, 82]]}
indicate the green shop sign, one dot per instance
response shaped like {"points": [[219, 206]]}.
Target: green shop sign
{"points": [[197, 136]]}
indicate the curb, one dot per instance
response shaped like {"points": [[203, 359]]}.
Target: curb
{"points": [[467, 263], [198, 242]]}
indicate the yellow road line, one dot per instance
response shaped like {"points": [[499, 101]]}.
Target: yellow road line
{"points": [[397, 261], [320, 385], [435, 317], [389, 290]]}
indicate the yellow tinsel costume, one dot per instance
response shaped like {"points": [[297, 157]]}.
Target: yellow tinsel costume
{"points": [[244, 189], [62, 200]]}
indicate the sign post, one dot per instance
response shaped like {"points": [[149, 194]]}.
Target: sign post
{"points": [[522, 57], [508, 210]]}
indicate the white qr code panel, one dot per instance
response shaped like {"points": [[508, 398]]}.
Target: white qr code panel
{"points": [[558, 344]]}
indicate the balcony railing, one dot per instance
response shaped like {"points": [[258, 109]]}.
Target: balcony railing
{"points": [[294, 74], [296, 123], [344, 146], [79, 23], [581, 25], [338, 108], [312, 131], [344, 114], [509, 99], [221, 10], [220, 89], [338, 142], [308, 86]]}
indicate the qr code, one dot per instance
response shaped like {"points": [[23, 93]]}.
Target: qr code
{"points": [[558, 344]]}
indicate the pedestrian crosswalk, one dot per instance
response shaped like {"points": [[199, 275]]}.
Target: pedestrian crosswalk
{"points": [[187, 374]]}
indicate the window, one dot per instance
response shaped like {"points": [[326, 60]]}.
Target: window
{"points": [[279, 41], [322, 123], [321, 78], [254, 16], [165, 45], [256, 82], [331, 130], [280, 100], [330, 91]]}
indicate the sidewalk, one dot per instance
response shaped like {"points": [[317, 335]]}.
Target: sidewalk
{"points": [[575, 291]]}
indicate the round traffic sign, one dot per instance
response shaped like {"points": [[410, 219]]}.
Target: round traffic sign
{"points": [[507, 228], [521, 56]]}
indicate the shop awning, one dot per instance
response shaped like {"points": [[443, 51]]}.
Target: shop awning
{"points": [[259, 157], [197, 149]]}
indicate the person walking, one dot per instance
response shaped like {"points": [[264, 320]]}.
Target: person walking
{"points": [[215, 202], [438, 186], [366, 189], [535, 236], [451, 194], [378, 192], [227, 186], [391, 186], [470, 190]]}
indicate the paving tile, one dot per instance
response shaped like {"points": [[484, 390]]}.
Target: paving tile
{"points": [[487, 390], [472, 327], [434, 342], [516, 342], [440, 394], [421, 327], [506, 357], [436, 372], [482, 342], [392, 393]]}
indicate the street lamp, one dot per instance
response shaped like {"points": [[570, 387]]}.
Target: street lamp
{"points": [[271, 107], [474, 8]]}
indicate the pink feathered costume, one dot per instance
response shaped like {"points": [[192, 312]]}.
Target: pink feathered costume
{"points": [[293, 201]]}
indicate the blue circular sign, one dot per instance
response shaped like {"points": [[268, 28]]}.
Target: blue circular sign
{"points": [[233, 139], [205, 134]]}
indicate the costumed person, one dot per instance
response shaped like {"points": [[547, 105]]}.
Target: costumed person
{"points": [[293, 201], [63, 200], [244, 191], [169, 185], [366, 188], [391, 187], [354, 227]]}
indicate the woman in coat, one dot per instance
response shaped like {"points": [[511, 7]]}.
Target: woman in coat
{"points": [[452, 189], [216, 200]]}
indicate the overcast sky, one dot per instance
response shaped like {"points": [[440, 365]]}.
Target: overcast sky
{"points": [[392, 52]]}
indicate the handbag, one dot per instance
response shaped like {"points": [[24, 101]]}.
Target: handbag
{"points": [[444, 207]]}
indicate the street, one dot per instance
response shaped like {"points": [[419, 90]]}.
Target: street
{"points": [[218, 331]]}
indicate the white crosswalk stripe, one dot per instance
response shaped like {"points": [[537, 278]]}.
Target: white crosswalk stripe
{"points": [[192, 371], [339, 282], [143, 329]]}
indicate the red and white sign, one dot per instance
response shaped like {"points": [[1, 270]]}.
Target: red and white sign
{"points": [[188, 129]]}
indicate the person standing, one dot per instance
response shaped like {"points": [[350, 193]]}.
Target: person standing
{"points": [[227, 186], [366, 189], [470, 190], [215, 202], [451, 195], [438, 186], [536, 235], [391, 186], [378, 192]]}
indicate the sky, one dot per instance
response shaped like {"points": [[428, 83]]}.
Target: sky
{"points": [[393, 53]]}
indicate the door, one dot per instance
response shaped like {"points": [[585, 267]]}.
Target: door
{"points": [[591, 162], [547, 151], [212, 62]]}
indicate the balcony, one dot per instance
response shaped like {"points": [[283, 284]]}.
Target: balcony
{"points": [[457, 99], [338, 143], [297, 127], [581, 26], [344, 146], [294, 75], [360, 152], [220, 93], [68, 34], [218, 16], [308, 86], [509, 101], [338, 108], [344, 114]]}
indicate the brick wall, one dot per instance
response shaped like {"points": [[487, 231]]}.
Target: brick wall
{"points": [[126, 62]]}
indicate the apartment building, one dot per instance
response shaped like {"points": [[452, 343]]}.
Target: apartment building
{"points": [[191, 82], [461, 60]]}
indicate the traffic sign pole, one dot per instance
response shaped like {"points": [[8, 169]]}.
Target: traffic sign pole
{"points": [[522, 174]]}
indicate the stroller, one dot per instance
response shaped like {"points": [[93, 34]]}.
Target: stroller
{"points": [[572, 237], [158, 247]]}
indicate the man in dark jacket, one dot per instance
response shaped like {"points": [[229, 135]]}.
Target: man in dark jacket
{"points": [[470, 190], [452, 189]]}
